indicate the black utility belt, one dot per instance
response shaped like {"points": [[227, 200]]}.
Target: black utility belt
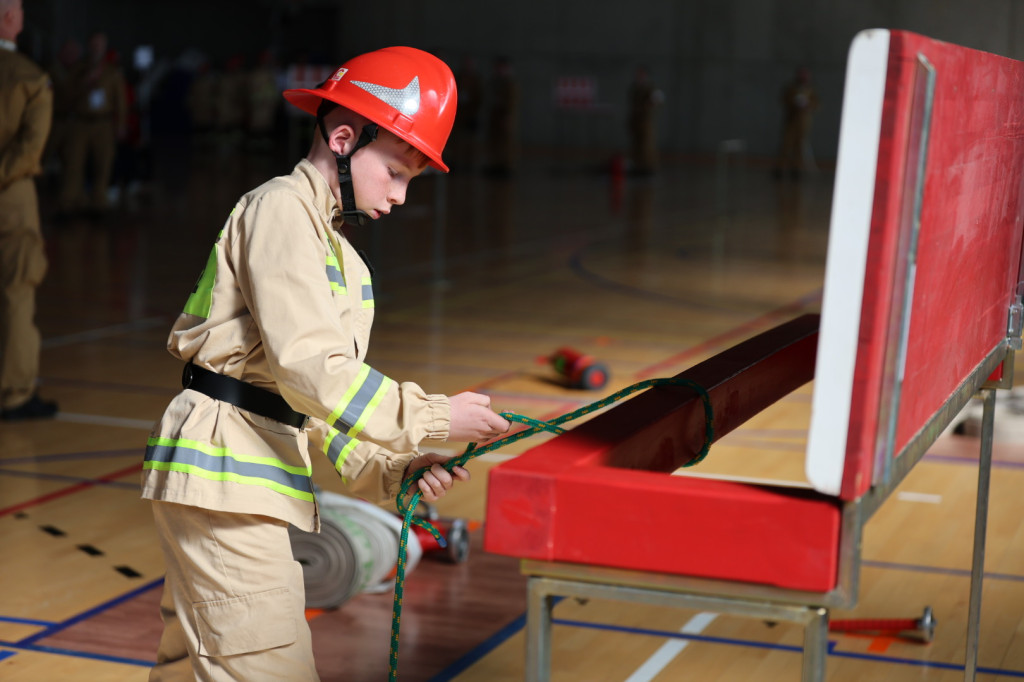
{"points": [[240, 394]]}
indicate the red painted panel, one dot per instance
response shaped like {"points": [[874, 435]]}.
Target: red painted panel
{"points": [[969, 245], [644, 521]]}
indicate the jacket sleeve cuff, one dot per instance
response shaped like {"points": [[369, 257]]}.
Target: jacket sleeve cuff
{"points": [[439, 417], [394, 473]]}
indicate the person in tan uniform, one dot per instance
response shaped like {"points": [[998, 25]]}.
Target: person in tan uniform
{"points": [[98, 120], [274, 338], [26, 109]]}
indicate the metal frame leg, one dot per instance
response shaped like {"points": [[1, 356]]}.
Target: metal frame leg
{"points": [[815, 646], [538, 631], [980, 527]]}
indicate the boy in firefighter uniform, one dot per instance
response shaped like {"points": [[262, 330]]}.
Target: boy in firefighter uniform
{"points": [[274, 337], [26, 109]]}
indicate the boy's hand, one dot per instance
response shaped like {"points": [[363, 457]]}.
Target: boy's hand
{"points": [[473, 419], [436, 481]]}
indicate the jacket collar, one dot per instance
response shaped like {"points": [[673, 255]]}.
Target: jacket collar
{"points": [[323, 198]]}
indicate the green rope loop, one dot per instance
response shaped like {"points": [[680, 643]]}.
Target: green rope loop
{"points": [[408, 507]]}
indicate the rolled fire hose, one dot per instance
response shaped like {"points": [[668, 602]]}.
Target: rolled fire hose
{"points": [[355, 551]]}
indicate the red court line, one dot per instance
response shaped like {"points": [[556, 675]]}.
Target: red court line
{"points": [[63, 492], [481, 386], [729, 336]]}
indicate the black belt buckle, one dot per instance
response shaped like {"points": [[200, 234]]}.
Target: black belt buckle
{"points": [[187, 375]]}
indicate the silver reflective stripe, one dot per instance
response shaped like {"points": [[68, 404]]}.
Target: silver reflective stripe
{"points": [[221, 464], [357, 410], [367, 292], [406, 100], [338, 446], [336, 279]]}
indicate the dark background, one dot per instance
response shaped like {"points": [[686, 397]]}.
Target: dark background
{"points": [[720, 63]]}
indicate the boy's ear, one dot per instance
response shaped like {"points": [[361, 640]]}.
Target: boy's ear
{"points": [[342, 139]]}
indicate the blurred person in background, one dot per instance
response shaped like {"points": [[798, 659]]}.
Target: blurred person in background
{"points": [[26, 111], [99, 116]]}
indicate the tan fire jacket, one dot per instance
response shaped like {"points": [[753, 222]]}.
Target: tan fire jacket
{"points": [[26, 108], [285, 303]]}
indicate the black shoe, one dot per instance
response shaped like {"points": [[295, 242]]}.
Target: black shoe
{"points": [[35, 408]]}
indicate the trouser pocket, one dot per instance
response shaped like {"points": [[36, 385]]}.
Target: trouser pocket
{"points": [[246, 624]]}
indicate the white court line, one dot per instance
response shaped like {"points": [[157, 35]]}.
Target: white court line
{"points": [[670, 649], [919, 497], [100, 420], [95, 334]]}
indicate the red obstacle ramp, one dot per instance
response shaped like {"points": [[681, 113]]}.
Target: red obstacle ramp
{"points": [[602, 493]]}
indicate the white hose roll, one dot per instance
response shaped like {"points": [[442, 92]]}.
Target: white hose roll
{"points": [[356, 551]]}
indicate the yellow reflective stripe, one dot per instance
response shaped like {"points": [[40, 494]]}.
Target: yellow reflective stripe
{"points": [[228, 476], [338, 455], [353, 389], [371, 407], [200, 301], [214, 451]]}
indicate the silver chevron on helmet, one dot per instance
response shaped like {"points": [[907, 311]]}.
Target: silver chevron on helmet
{"points": [[406, 100]]}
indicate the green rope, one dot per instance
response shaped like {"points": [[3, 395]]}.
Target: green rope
{"points": [[408, 508]]}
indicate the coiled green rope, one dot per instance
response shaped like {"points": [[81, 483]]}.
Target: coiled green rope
{"points": [[408, 508]]}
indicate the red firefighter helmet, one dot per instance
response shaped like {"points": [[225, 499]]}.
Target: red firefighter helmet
{"points": [[404, 90]]}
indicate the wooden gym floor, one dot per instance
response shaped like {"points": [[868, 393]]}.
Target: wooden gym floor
{"points": [[649, 274]]}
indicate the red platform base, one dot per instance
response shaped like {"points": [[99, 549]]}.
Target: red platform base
{"points": [[602, 494]]}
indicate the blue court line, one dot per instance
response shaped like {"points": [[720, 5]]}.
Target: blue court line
{"points": [[783, 647], [583, 272], [5, 654], [65, 456], [27, 621], [940, 570], [70, 479], [75, 654], [484, 648], [54, 629], [996, 463], [487, 646]]}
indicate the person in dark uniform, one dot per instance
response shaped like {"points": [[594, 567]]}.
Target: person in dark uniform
{"points": [[799, 102], [503, 120], [644, 99], [465, 135], [61, 71], [26, 110]]}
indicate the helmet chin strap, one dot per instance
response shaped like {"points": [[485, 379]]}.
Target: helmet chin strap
{"points": [[349, 212]]}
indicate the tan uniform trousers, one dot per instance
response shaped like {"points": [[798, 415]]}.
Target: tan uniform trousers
{"points": [[233, 604], [22, 267], [88, 138]]}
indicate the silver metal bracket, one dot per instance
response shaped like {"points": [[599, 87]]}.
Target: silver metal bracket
{"points": [[1015, 319]]}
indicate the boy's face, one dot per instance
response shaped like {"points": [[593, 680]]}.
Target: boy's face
{"points": [[381, 172]]}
